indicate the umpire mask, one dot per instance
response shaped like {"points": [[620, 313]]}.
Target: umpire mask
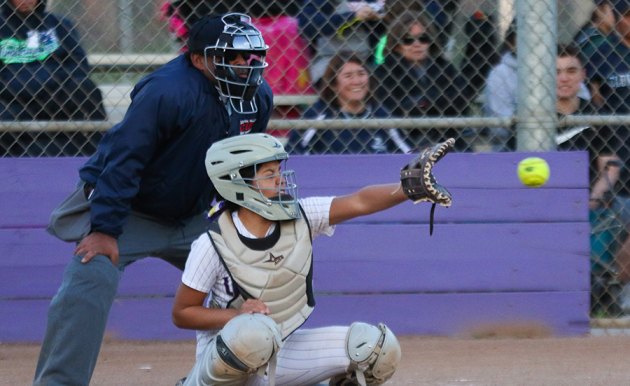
{"points": [[238, 57]]}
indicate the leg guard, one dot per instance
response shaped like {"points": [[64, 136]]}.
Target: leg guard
{"points": [[244, 346], [249, 341], [374, 352]]}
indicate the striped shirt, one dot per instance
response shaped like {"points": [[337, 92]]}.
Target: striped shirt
{"points": [[205, 273]]}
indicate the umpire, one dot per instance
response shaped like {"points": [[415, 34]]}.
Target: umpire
{"points": [[145, 190]]}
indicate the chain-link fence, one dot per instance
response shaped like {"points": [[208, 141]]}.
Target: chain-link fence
{"points": [[488, 72]]}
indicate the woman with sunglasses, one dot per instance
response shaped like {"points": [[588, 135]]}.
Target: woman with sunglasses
{"points": [[415, 80]]}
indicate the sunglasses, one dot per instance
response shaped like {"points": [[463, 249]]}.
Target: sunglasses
{"points": [[408, 39], [231, 56]]}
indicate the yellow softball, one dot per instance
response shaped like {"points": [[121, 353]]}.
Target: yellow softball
{"points": [[533, 171]]}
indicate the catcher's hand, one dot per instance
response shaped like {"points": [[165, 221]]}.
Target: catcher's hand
{"points": [[418, 182]]}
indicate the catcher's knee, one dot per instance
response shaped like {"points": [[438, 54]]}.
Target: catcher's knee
{"points": [[374, 352], [245, 345]]}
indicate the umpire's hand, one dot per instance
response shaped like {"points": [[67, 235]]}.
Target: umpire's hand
{"points": [[97, 243]]}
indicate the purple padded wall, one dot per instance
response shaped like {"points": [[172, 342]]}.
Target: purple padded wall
{"points": [[502, 253]]}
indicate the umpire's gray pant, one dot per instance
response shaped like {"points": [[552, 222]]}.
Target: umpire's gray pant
{"points": [[78, 312]]}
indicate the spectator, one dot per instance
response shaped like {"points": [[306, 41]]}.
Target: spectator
{"points": [[570, 74], [334, 26], [288, 59], [45, 76], [416, 80], [603, 172], [608, 70], [480, 52], [608, 67], [346, 93], [145, 192], [596, 29], [501, 93], [436, 11], [182, 14]]}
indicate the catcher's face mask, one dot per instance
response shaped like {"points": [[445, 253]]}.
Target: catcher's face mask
{"points": [[247, 170], [276, 188]]}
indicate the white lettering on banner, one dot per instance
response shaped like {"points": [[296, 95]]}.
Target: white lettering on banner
{"points": [[619, 80]]}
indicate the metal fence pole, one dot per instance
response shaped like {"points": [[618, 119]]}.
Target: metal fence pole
{"points": [[125, 23], [536, 53]]}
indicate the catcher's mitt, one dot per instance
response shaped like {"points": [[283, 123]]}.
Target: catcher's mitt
{"points": [[418, 182]]}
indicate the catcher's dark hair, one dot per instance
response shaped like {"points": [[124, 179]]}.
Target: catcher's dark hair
{"points": [[248, 173], [229, 205]]}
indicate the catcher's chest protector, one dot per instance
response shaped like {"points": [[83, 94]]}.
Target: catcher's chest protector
{"points": [[280, 276]]}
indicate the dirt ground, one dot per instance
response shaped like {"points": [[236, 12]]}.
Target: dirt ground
{"points": [[487, 360]]}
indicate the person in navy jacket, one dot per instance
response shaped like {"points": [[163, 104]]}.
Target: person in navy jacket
{"points": [[145, 191]]}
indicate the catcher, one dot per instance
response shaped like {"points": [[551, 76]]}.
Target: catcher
{"points": [[247, 285]]}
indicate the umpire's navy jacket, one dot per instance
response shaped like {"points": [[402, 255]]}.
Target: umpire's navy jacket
{"points": [[153, 160]]}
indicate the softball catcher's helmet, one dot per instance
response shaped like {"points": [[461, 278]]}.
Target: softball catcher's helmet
{"points": [[237, 81], [225, 162]]}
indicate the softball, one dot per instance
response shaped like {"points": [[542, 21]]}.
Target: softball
{"points": [[533, 171]]}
